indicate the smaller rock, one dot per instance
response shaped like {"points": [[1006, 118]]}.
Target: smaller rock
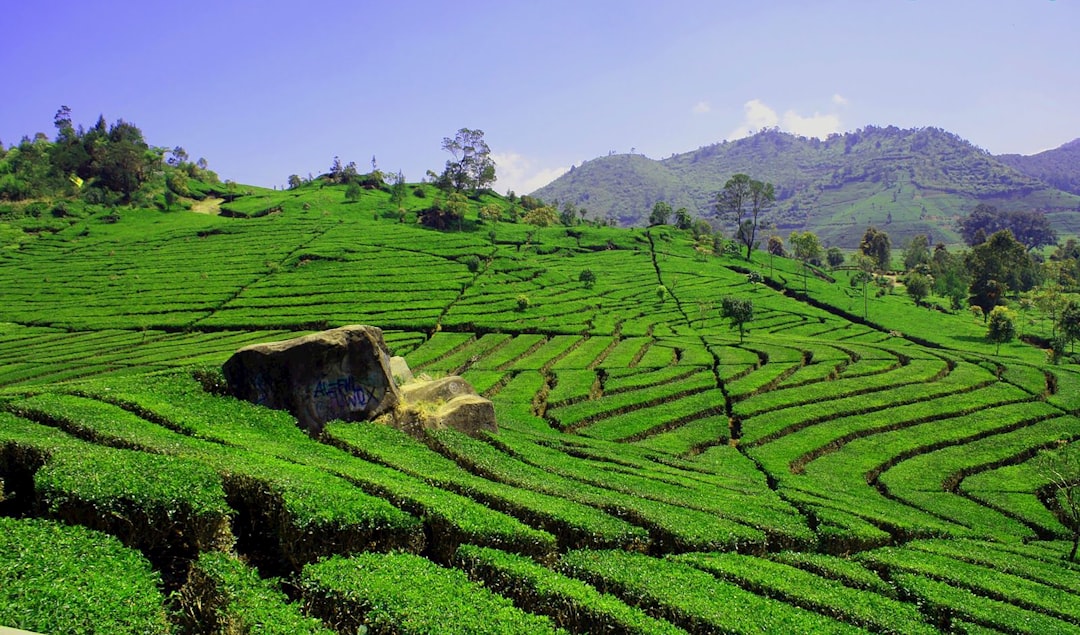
{"points": [[443, 389], [471, 414], [400, 371]]}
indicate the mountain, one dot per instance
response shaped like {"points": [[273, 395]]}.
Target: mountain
{"points": [[1058, 168], [908, 182]]}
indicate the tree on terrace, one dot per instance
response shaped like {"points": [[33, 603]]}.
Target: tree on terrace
{"points": [[807, 249], [743, 202], [917, 252], [875, 244], [918, 286], [683, 219], [1000, 327], [661, 212], [1061, 469], [738, 311], [997, 265], [834, 257], [472, 168]]}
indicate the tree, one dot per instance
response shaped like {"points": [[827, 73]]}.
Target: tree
{"points": [[949, 275], [683, 219], [835, 257], [472, 168], [541, 217], [587, 278], [863, 276], [1000, 327], [996, 266], [1060, 467], [456, 204], [738, 311], [775, 247], [661, 212], [1031, 228], [397, 190], [490, 213], [295, 181], [122, 160], [807, 249], [177, 157], [875, 244], [568, 216], [918, 286], [1051, 301], [743, 202], [917, 252], [1070, 323], [984, 219], [353, 192]]}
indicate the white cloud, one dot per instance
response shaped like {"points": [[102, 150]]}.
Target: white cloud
{"points": [[839, 100], [701, 108], [521, 174], [758, 115], [816, 125]]}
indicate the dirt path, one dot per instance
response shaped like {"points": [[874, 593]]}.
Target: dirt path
{"points": [[207, 206]]}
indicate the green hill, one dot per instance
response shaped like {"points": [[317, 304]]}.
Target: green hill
{"points": [[908, 182], [855, 463], [1058, 168]]}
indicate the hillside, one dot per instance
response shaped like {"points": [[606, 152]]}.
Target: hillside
{"points": [[1058, 168], [906, 181], [856, 463]]}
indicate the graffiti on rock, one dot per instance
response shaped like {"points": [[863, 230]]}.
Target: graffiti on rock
{"points": [[336, 397]]}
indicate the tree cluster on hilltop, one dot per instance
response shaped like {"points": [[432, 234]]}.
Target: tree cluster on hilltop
{"points": [[105, 164]]}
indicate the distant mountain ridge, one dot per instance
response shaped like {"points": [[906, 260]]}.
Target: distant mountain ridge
{"points": [[913, 181], [1058, 168]]}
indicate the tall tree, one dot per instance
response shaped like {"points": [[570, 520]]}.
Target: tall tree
{"points": [[918, 286], [683, 219], [917, 252], [661, 212], [472, 167], [1060, 467], [875, 244], [743, 202], [1029, 227], [996, 266], [807, 249], [1001, 327], [835, 257]]}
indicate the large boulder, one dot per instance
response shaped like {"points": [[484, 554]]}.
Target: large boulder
{"points": [[343, 373]]}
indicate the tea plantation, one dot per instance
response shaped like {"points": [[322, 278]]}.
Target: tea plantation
{"points": [[654, 472]]}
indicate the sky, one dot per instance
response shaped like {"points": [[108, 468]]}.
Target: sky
{"points": [[263, 89]]}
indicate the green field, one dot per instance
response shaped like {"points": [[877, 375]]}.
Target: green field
{"points": [[652, 473]]}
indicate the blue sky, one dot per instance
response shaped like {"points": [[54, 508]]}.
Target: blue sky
{"points": [[264, 89]]}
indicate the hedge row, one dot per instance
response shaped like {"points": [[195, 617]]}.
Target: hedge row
{"points": [[571, 603], [691, 598], [57, 578], [405, 594]]}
